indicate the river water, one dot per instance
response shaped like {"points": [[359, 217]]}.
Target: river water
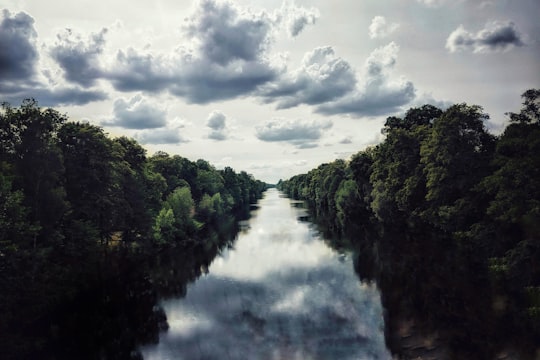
{"points": [[279, 293]]}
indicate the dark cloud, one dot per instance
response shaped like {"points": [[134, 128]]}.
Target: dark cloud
{"points": [[302, 134], [202, 82], [61, 96], [376, 100], [225, 35], [50, 96], [321, 78], [18, 53], [136, 113], [79, 58], [218, 123], [379, 93], [496, 36], [133, 71], [18, 68], [227, 56]]}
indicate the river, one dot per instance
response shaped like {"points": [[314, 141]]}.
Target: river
{"points": [[280, 292]]}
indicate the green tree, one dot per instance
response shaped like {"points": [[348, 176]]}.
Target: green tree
{"points": [[456, 157], [513, 223], [92, 165], [141, 190], [28, 136], [175, 222]]}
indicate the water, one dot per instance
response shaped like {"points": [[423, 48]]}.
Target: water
{"points": [[280, 293]]}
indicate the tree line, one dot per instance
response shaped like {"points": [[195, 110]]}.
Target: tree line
{"points": [[446, 217], [76, 206]]}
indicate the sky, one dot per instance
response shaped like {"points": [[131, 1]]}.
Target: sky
{"points": [[274, 88]]}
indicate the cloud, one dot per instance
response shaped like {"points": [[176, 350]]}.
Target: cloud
{"points": [[228, 57], [322, 77], [18, 53], [297, 18], [79, 58], [217, 122], [63, 96], [49, 95], [160, 137], [224, 34], [378, 93], [136, 113], [495, 36], [134, 71], [379, 28], [204, 82], [346, 140], [428, 99], [432, 3], [302, 134], [166, 135], [18, 68]]}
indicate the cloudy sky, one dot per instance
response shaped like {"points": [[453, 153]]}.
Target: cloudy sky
{"points": [[271, 87]]}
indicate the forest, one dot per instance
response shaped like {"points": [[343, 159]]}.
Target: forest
{"points": [[84, 218], [445, 217]]}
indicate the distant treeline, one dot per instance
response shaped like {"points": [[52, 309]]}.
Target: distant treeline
{"points": [[447, 218], [78, 208]]}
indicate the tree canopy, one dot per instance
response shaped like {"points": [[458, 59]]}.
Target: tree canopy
{"points": [[76, 207], [449, 214]]}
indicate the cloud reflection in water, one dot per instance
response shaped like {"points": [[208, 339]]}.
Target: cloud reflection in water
{"points": [[280, 294]]}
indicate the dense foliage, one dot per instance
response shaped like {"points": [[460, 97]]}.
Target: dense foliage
{"points": [[80, 215], [448, 216]]}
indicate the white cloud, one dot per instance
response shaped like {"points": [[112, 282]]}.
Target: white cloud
{"points": [[136, 113], [379, 93], [379, 28], [495, 36], [165, 135], [322, 77]]}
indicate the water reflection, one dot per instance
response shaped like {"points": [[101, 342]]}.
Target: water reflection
{"points": [[280, 293]]}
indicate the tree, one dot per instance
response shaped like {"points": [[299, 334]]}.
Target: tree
{"points": [[141, 190], [28, 137], [514, 214], [175, 222], [92, 176], [456, 157]]}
